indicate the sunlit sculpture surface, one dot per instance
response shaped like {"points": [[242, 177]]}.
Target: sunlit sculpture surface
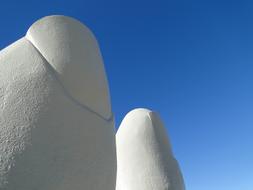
{"points": [[56, 124], [145, 159]]}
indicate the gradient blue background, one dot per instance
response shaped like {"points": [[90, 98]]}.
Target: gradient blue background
{"points": [[189, 60]]}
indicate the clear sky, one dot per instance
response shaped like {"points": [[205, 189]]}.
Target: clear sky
{"points": [[192, 61]]}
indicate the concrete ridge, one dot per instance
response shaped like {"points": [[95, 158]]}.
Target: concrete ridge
{"points": [[73, 53], [65, 91]]}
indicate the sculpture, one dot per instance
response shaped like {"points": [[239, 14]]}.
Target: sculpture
{"points": [[144, 155], [56, 124]]}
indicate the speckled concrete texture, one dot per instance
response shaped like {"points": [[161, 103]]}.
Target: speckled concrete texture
{"points": [[144, 155], [52, 137], [56, 124]]}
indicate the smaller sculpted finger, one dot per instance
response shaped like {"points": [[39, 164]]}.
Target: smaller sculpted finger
{"points": [[144, 156]]}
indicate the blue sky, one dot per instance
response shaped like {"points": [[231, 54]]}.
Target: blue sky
{"points": [[189, 60]]}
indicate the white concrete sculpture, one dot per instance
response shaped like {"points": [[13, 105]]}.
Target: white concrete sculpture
{"points": [[56, 124], [145, 159]]}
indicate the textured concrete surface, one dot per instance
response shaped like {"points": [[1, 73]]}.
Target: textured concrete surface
{"points": [[144, 155], [72, 50], [55, 136], [56, 124]]}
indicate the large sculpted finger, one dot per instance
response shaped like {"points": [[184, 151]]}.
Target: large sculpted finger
{"points": [[56, 124], [144, 156]]}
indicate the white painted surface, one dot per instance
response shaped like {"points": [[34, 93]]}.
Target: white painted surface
{"points": [[72, 50], [56, 125], [53, 136], [144, 155]]}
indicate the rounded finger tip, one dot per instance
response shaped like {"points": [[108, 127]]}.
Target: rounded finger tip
{"points": [[72, 51]]}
